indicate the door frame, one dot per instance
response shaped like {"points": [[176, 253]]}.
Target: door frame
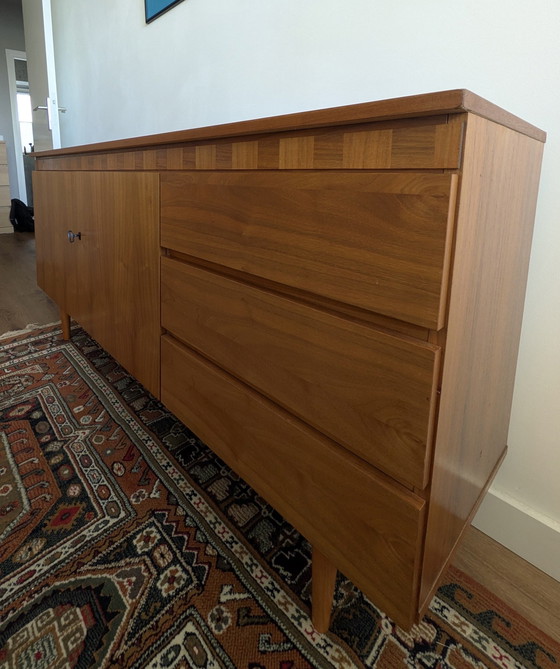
{"points": [[11, 56], [39, 39], [51, 73]]}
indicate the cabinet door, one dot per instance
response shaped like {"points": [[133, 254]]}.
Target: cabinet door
{"points": [[108, 280]]}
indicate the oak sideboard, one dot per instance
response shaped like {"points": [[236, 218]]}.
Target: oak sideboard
{"points": [[331, 300]]}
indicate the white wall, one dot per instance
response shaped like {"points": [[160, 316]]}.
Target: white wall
{"points": [[216, 61]]}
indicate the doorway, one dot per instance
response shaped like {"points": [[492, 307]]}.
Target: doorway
{"points": [[20, 101]]}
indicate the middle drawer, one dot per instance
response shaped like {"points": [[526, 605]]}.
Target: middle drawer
{"points": [[370, 391]]}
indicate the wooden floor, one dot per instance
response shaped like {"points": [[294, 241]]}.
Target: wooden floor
{"points": [[21, 301], [533, 594]]}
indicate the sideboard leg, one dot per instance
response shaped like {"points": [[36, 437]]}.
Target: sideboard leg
{"points": [[65, 322], [322, 590]]}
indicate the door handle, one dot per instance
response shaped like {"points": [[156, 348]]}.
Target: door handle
{"points": [[60, 109], [49, 109]]}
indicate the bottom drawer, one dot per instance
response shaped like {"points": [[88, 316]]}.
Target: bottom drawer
{"points": [[366, 525]]}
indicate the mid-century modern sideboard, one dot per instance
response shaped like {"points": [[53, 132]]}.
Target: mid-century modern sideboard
{"points": [[331, 300]]}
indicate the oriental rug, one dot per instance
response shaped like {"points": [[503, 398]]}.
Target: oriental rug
{"points": [[124, 542]]}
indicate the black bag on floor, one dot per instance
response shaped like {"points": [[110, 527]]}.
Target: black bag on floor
{"points": [[21, 217]]}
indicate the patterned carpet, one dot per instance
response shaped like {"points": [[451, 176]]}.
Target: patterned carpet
{"points": [[124, 542]]}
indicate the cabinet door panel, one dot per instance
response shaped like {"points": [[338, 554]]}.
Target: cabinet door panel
{"points": [[108, 280], [54, 211]]}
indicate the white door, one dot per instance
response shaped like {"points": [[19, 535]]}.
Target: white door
{"points": [[37, 21]]}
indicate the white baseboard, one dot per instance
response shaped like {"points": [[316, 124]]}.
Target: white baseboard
{"points": [[529, 534]]}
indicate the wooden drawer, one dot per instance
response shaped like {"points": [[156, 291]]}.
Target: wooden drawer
{"points": [[376, 240], [366, 525], [370, 391]]}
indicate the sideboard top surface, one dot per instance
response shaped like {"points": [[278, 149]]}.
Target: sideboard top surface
{"points": [[428, 104]]}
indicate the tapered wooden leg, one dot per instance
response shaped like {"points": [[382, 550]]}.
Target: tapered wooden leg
{"points": [[65, 322], [322, 590]]}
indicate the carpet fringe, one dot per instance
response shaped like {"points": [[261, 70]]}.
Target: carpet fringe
{"points": [[28, 328]]}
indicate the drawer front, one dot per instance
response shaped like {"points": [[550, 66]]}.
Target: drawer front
{"points": [[376, 240], [370, 391], [368, 527]]}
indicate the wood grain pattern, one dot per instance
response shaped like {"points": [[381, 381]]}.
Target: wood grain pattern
{"points": [[433, 143], [109, 280], [413, 106], [65, 325], [529, 591], [322, 590], [296, 153], [245, 155], [383, 241], [21, 301], [53, 221], [370, 391], [493, 241], [384, 323], [312, 482], [367, 149]]}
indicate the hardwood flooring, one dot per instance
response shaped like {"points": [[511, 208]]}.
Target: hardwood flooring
{"points": [[533, 594], [22, 302]]}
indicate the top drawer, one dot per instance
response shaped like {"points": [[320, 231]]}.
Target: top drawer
{"points": [[376, 240]]}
